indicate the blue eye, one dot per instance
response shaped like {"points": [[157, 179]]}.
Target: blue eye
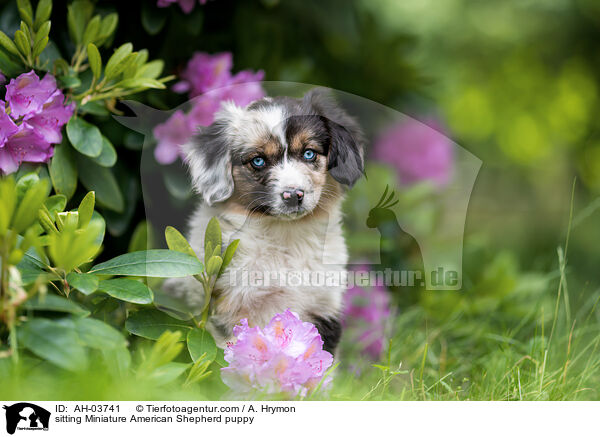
{"points": [[309, 155], [258, 162]]}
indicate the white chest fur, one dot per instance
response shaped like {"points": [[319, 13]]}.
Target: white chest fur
{"points": [[279, 264]]}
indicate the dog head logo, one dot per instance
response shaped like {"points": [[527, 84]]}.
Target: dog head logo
{"points": [[25, 416]]}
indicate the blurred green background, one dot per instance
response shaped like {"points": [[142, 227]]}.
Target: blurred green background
{"points": [[515, 83]]}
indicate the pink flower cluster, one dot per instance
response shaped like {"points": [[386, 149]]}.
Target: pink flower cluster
{"points": [[186, 6], [209, 81], [417, 151], [286, 356], [32, 122], [365, 313]]}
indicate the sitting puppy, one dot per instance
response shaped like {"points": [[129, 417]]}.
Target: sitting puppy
{"points": [[273, 174]]}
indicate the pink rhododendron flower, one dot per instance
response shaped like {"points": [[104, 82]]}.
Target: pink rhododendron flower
{"points": [[204, 109], [205, 72], [418, 152], [187, 6], [7, 125], [244, 88], [365, 314], [286, 356], [52, 117], [171, 135], [37, 115], [27, 93], [25, 145], [208, 79]]}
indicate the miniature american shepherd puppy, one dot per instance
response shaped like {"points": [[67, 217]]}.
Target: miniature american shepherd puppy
{"points": [[274, 175]]}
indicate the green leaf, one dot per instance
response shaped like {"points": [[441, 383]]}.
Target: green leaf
{"points": [[116, 62], [151, 70], [139, 239], [177, 242], [42, 32], [30, 269], [84, 282], [67, 221], [213, 266], [128, 290], [91, 31], [8, 44], [95, 107], [22, 43], [108, 156], [46, 222], [228, 255], [198, 372], [56, 203], [86, 209], [27, 211], [117, 361], [39, 47], [153, 323], [199, 341], [131, 67], [85, 137], [67, 81], [153, 19], [208, 250], [61, 66], [52, 302], [159, 263], [8, 200], [167, 373], [9, 65], [42, 13], [109, 24], [212, 234], [141, 82], [26, 11], [174, 306], [142, 57], [95, 60], [98, 218], [24, 183], [63, 170], [99, 335], [72, 247], [102, 181], [79, 13], [220, 358], [54, 342]]}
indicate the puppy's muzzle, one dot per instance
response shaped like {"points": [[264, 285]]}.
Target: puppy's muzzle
{"points": [[293, 197]]}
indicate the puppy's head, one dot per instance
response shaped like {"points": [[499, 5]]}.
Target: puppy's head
{"points": [[279, 156]]}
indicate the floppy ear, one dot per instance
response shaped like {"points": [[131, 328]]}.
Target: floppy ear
{"points": [[209, 159], [345, 160]]}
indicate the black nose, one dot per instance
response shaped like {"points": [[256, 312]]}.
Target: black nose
{"points": [[292, 197]]}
